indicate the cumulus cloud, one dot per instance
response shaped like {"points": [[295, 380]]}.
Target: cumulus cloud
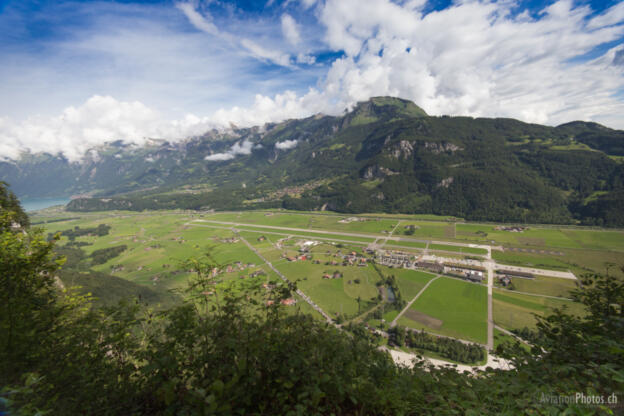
{"points": [[243, 148], [99, 120], [286, 144], [290, 29], [487, 61]]}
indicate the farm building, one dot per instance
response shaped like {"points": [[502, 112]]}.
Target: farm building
{"points": [[434, 267], [513, 273]]}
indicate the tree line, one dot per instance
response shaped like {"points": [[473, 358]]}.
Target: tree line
{"points": [[453, 349]]}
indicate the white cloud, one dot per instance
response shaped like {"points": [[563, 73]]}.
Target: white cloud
{"points": [[271, 55], [263, 53], [308, 3], [484, 62], [290, 29], [99, 120], [286, 144], [266, 109], [219, 156], [614, 15], [197, 20], [305, 59], [243, 148]]}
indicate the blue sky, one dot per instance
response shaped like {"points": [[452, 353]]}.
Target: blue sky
{"points": [[74, 74]]}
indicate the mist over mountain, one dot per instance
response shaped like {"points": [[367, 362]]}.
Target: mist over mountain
{"points": [[385, 155]]}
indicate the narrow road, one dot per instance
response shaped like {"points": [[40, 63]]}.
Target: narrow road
{"points": [[394, 321], [490, 319], [390, 235], [540, 272], [345, 234], [285, 279], [281, 234]]}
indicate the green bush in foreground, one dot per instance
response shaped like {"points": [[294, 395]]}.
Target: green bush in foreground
{"points": [[223, 353]]}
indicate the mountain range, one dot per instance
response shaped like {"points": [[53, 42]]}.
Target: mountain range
{"points": [[385, 155]]}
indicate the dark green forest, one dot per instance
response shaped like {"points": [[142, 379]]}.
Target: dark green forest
{"points": [[60, 354]]}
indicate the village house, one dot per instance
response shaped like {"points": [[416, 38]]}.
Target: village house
{"points": [[471, 273], [504, 280]]}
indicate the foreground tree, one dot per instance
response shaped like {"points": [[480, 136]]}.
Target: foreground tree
{"points": [[224, 351]]}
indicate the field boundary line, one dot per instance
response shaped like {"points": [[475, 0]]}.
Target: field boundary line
{"points": [[393, 323], [511, 334], [286, 280], [535, 294]]}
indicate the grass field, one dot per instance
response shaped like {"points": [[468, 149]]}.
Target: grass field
{"points": [[428, 229], [406, 244], [158, 242], [285, 233], [459, 305], [516, 311], [501, 337], [551, 237], [410, 282], [459, 249], [551, 286], [578, 262], [335, 296]]}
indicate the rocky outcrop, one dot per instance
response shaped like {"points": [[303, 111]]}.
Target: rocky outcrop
{"points": [[402, 149], [445, 183], [437, 148], [376, 171]]}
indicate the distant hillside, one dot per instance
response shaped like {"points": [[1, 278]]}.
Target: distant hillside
{"points": [[385, 155]]}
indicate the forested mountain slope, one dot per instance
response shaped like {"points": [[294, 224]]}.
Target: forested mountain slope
{"points": [[385, 155]]}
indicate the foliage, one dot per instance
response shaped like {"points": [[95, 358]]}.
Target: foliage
{"points": [[103, 255], [11, 208], [71, 234]]}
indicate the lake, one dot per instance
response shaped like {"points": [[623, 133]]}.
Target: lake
{"points": [[34, 204]]}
